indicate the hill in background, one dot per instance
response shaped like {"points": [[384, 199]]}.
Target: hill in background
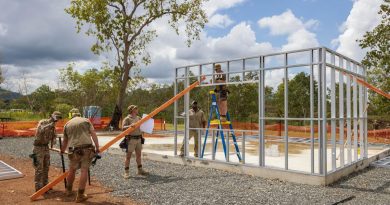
{"points": [[8, 95]]}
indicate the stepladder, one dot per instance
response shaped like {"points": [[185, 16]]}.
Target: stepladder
{"points": [[224, 134]]}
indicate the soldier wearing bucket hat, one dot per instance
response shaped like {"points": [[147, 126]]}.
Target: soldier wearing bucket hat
{"points": [[74, 112], [134, 141], [44, 135]]}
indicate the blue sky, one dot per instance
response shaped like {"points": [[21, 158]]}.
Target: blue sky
{"points": [[330, 14], [37, 37]]}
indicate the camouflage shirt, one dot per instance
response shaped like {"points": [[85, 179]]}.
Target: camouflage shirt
{"points": [[220, 76], [45, 132]]}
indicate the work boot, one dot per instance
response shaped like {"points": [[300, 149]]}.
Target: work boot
{"points": [[141, 171], [69, 191], [181, 154], [49, 191], [81, 196], [126, 175]]}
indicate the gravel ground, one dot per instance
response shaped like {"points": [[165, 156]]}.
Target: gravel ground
{"points": [[176, 184]]}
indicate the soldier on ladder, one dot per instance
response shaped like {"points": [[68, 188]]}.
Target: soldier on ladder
{"points": [[222, 91]]}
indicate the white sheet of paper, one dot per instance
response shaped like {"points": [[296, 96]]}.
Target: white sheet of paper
{"points": [[148, 125]]}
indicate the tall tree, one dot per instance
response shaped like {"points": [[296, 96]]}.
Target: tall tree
{"points": [[93, 87], [43, 98], [123, 26], [377, 59]]}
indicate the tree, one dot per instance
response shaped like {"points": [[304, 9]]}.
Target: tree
{"points": [[377, 59], [93, 87], [298, 96], [43, 98], [123, 26]]}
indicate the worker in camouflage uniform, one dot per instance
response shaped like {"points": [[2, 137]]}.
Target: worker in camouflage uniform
{"points": [[197, 120], [221, 91], [79, 134], [134, 140], [44, 135]]}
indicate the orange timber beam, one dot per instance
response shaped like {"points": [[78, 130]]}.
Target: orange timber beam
{"points": [[368, 85]]}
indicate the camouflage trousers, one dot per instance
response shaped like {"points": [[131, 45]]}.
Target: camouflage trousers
{"points": [[42, 166], [193, 134]]}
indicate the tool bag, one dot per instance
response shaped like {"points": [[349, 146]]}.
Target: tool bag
{"points": [[124, 144]]}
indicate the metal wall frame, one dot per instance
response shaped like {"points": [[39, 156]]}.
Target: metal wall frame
{"points": [[340, 113]]}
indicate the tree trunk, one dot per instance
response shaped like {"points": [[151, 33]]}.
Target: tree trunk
{"points": [[117, 114]]}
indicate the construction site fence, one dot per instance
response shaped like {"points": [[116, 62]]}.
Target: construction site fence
{"points": [[27, 128]]}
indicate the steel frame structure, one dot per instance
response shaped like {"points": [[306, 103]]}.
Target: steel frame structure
{"points": [[338, 114]]}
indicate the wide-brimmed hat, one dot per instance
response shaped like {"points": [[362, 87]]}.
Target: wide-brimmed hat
{"points": [[74, 112], [58, 114], [131, 108]]}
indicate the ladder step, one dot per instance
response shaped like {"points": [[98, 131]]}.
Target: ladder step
{"points": [[216, 122]]}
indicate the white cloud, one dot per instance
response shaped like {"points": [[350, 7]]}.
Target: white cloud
{"points": [[169, 50], [212, 6], [299, 39], [362, 18], [3, 29], [220, 21], [239, 42], [45, 73], [282, 24], [296, 29]]}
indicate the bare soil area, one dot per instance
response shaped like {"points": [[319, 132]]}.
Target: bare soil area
{"points": [[17, 191]]}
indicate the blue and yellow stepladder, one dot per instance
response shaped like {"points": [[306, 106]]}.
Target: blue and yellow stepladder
{"points": [[214, 107]]}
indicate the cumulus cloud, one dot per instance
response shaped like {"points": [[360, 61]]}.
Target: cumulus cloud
{"points": [[240, 41], [169, 50], [213, 6], [362, 18], [296, 29], [220, 21]]}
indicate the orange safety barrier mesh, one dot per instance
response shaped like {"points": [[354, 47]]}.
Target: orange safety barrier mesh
{"points": [[27, 128]]}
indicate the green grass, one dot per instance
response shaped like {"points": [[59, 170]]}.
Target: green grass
{"points": [[21, 116], [169, 126]]}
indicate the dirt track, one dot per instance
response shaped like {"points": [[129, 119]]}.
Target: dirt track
{"points": [[17, 191]]}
